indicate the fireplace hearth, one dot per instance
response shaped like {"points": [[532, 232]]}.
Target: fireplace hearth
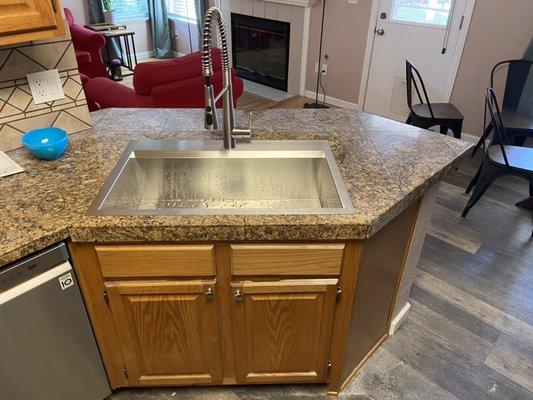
{"points": [[261, 50]]}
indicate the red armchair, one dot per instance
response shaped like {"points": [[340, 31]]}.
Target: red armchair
{"points": [[88, 48], [175, 83]]}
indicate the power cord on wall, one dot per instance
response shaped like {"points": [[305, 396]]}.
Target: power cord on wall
{"points": [[320, 71]]}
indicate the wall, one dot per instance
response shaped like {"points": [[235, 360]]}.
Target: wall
{"points": [[497, 32], [18, 112], [143, 37], [184, 37], [345, 31], [79, 9]]}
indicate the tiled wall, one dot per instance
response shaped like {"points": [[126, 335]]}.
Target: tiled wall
{"points": [[277, 12], [18, 112]]}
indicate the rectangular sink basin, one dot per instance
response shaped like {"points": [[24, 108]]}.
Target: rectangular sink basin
{"points": [[199, 177]]}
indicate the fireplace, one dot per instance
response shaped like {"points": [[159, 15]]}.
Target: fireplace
{"points": [[261, 50]]}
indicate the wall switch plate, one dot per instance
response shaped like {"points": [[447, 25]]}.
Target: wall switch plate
{"points": [[324, 69], [45, 86]]}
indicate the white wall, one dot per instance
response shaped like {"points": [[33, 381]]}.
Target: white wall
{"points": [[79, 9]]}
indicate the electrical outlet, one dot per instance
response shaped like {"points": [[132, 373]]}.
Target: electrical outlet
{"points": [[324, 69], [45, 86]]}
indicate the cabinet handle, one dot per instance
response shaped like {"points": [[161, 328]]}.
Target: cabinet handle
{"points": [[209, 293], [54, 6], [238, 296]]}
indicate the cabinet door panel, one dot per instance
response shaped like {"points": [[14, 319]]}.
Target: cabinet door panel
{"points": [[20, 16], [169, 331], [283, 330]]}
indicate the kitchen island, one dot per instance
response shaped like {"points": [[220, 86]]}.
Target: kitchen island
{"points": [[236, 299]]}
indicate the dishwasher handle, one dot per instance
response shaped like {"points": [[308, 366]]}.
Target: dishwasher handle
{"points": [[63, 273]]}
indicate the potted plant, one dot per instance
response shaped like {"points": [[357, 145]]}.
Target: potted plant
{"points": [[109, 12]]}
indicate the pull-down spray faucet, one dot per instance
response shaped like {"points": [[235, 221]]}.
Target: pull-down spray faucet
{"points": [[211, 119]]}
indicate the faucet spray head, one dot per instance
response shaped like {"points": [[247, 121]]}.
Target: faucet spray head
{"points": [[211, 118]]}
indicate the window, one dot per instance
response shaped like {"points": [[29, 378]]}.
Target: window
{"points": [[130, 9], [182, 10], [432, 12]]}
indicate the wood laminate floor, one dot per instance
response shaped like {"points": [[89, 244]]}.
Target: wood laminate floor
{"points": [[469, 334]]}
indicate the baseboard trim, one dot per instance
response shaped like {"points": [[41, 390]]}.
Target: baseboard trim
{"points": [[331, 100], [469, 138], [144, 54], [399, 318]]}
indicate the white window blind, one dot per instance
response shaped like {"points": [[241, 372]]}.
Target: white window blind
{"points": [[130, 9], [182, 10]]}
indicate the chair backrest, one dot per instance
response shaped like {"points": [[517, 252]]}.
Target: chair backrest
{"points": [[498, 135], [518, 85], [413, 79], [69, 17]]}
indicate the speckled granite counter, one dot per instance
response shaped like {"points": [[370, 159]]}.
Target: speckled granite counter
{"points": [[385, 166]]}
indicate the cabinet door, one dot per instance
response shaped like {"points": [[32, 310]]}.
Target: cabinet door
{"points": [[282, 330], [21, 16], [169, 331]]}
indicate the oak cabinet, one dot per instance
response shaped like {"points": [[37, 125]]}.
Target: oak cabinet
{"points": [[242, 313], [168, 331], [165, 301], [282, 330], [25, 20]]}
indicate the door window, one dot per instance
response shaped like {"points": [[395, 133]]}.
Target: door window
{"points": [[431, 12]]}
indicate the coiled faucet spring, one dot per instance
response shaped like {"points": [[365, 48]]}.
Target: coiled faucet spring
{"points": [[207, 66], [211, 118]]}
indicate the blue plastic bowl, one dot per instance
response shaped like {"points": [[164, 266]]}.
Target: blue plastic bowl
{"points": [[46, 143]]}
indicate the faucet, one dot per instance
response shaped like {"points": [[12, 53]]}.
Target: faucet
{"points": [[231, 133]]}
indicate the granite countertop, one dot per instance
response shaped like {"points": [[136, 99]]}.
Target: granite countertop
{"points": [[385, 165]]}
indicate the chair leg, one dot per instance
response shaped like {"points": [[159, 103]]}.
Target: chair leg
{"points": [[409, 120], [483, 137], [474, 180], [456, 129], [488, 175]]}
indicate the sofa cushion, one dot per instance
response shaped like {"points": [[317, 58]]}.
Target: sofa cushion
{"points": [[83, 57], [154, 73]]}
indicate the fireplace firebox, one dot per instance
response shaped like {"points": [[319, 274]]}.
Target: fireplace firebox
{"points": [[261, 50]]}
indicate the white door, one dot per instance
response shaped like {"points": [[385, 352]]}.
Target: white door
{"points": [[425, 32]]}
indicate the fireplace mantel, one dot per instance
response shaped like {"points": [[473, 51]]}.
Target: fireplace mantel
{"points": [[300, 3]]}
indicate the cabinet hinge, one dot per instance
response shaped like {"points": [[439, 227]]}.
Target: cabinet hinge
{"points": [[106, 299], [126, 373], [338, 293]]}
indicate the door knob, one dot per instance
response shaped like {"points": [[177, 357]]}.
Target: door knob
{"points": [[383, 15], [380, 31], [209, 294], [238, 296]]}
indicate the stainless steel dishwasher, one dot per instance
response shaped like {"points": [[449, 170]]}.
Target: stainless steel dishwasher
{"points": [[47, 347]]}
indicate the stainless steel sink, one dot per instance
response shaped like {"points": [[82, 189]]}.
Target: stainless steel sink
{"points": [[199, 177]]}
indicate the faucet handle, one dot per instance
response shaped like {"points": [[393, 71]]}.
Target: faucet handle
{"points": [[241, 133]]}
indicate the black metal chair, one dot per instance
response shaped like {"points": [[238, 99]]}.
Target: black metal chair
{"points": [[501, 159], [517, 104], [426, 114]]}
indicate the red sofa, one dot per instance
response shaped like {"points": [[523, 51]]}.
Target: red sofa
{"points": [[88, 48], [175, 83]]}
